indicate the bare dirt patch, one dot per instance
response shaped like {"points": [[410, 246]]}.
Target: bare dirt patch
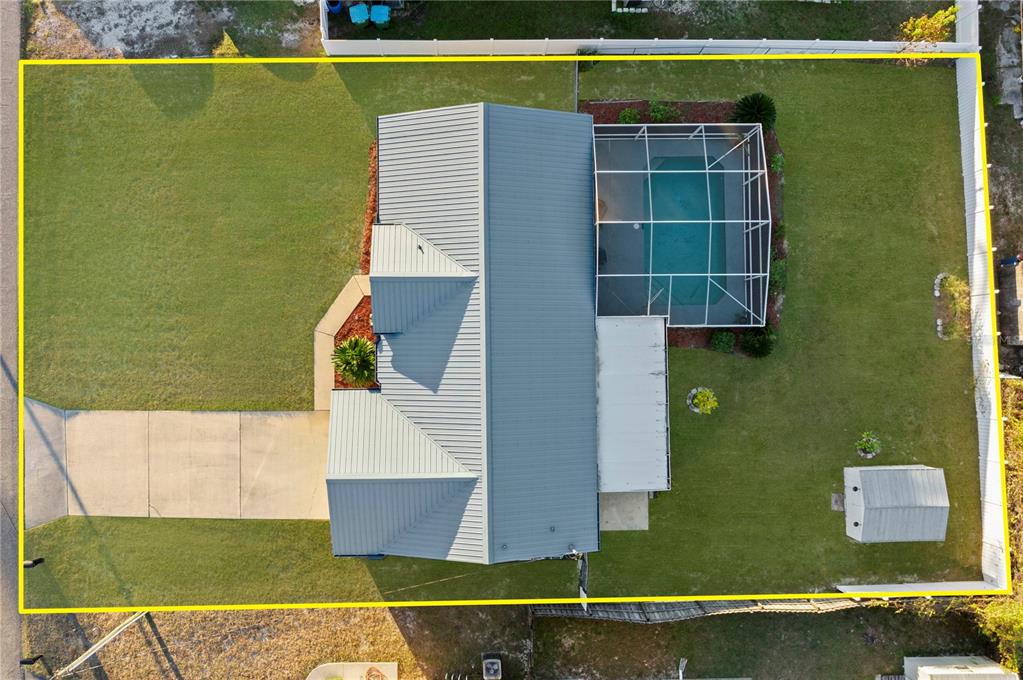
{"points": [[50, 34], [149, 29]]}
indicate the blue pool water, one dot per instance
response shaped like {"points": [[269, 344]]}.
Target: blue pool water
{"points": [[680, 248]]}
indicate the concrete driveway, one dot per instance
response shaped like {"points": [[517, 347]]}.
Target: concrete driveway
{"points": [[252, 465]]}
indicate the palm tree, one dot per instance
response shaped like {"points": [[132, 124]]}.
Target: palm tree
{"points": [[755, 108], [356, 360]]}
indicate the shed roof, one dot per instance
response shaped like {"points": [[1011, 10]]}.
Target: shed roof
{"points": [[495, 208], [895, 503], [632, 404], [970, 667]]}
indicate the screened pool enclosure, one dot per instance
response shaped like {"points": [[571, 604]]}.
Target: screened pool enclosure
{"points": [[683, 223]]}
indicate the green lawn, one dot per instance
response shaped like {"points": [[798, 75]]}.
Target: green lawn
{"points": [[510, 19], [847, 645], [119, 561], [873, 209], [187, 226]]}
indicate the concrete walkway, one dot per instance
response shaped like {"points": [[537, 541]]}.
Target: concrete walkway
{"points": [[214, 464]]}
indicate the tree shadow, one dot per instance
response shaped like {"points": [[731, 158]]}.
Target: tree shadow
{"points": [[178, 90], [293, 72]]}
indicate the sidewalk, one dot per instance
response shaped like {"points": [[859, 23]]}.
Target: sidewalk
{"points": [[211, 464]]}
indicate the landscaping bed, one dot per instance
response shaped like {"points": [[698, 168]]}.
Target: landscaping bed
{"points": [[370, 215], [357, 324]]}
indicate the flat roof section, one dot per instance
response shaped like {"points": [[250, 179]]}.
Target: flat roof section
{"points": [[632, 404]]}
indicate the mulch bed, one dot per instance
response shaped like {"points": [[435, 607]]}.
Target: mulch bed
{"points": [[357, 323], [607, 112], [371, 211]]}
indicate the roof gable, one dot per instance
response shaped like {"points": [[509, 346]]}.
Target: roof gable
{"points": [[371, 439]]}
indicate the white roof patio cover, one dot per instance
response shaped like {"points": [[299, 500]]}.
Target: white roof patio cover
{"points": [[895, 503], [632, 404]]}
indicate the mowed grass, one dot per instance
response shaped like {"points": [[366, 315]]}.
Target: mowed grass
{"points": [[873, 206], [122, 561], [186, 226]]}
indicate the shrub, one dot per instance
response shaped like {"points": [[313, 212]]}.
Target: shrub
{"points": [[758, 342], [756, 108], [705, 401], [663, 112], [779, 277], [356, 360], [868, 442], [722, 341], [777, 162], [931, 28], [226, 48], [628, 116], [586, 64], [955, 298]]}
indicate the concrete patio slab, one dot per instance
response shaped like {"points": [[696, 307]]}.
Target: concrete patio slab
{"points": [[45, 464], [107, 462], [625, 511], [194, 460], [283, 461]]}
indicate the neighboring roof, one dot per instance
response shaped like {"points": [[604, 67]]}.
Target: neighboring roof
{"points": [[893, 503], [632, 404], [971, 667], [494, 205]]}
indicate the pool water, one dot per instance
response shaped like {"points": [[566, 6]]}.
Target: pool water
{"points": [[680, 248]]}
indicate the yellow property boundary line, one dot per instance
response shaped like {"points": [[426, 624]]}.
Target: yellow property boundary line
{"points": [[459, 59]]}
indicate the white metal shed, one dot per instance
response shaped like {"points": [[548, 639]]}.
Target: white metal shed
{"points": [[895, 503]]}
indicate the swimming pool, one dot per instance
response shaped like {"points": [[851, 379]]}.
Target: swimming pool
{"points": [[682, 247]]}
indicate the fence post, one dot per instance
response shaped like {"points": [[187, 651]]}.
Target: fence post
{"points": [[380, 47], [436, 48], [545, 43], [491, 47]]}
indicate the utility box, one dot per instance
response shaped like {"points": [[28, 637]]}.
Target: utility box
{"points": [[492, 666]]}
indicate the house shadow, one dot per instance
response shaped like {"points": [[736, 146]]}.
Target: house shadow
{"points": [[178, 91], [423, 354], [449, 641]]}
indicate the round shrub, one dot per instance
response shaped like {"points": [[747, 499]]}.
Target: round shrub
{"points": [[356, 360], [869, 444], [705, 401], [628, 116], [662, 112], [758, 342], [756, 108], [722, 341]]}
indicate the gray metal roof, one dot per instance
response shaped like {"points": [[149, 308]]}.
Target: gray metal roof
{"points": [[894, 503], [972, 667], [474, 384], [540, 333]]}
